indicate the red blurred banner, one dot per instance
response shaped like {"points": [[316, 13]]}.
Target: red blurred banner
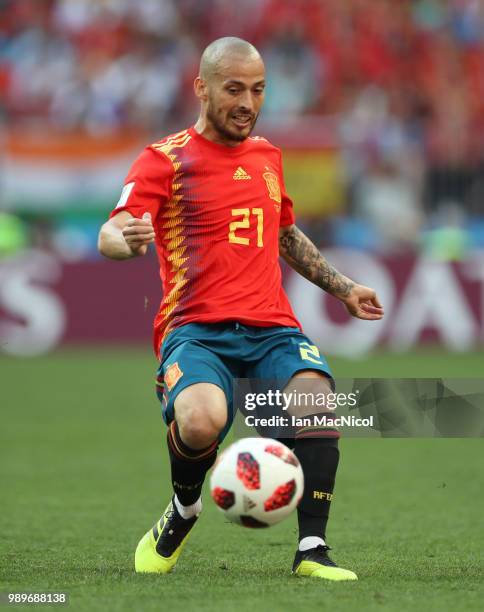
{"points": [[45, 302]]}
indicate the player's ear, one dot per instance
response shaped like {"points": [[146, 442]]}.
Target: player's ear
{"points": [[200, 88]]}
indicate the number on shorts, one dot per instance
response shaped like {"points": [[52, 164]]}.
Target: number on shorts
{"points": [[309, 352]]}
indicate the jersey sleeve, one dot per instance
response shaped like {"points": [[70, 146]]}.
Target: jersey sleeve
{"points": [[287, 210], [147, 185]]}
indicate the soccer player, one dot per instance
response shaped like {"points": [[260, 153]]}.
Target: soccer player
{"points": [[212, 198]]}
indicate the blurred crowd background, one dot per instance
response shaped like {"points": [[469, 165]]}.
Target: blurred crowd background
{"points": [[378, 105]]}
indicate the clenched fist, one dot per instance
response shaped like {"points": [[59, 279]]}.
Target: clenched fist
{"points": [[139, 233]]}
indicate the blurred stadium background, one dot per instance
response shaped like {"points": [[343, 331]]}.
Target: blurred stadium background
{"points": [[378, 106], [379, 109]]}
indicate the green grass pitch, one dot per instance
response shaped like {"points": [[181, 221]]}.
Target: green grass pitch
{"points": [[85, 473]]}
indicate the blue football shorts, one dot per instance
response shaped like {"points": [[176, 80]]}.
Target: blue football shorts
{"points": [[218, 353]]}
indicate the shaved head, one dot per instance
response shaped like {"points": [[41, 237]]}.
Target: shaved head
{"points": [[230, 87], [223, 50]]}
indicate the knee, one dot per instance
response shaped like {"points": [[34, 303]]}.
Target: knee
{"points": [[315, 394], [198, 432], [200, 421]]}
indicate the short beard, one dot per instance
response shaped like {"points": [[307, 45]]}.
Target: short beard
{"points": [[222, 130]]}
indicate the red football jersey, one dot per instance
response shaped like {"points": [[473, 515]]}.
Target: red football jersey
{"points": [[216, 211]]}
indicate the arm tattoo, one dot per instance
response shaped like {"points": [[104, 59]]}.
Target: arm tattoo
{"points": [[303, 256]]}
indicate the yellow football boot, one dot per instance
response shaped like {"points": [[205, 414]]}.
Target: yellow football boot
{"points": [[158, 550], [315, 563]]}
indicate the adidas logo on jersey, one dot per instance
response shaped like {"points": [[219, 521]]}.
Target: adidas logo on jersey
{"points": [[241, 175]]}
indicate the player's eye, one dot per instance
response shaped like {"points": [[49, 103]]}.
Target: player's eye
{"points": [[233, 90]]}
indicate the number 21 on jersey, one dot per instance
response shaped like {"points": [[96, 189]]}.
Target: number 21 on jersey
{"points": [[245, 223]]}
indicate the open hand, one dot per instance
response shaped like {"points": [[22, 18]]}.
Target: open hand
{"points": [[362, 302]]}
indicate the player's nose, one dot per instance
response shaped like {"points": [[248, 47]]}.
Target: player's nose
{"points": [[246, 102]]}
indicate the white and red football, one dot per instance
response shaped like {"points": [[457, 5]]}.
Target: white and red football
{"points": [[257, 482]]}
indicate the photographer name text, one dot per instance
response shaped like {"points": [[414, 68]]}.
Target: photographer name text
{"points": [[312, 421]]}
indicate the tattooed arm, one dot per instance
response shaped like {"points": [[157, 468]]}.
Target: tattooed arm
{"points": [[303, 256]]}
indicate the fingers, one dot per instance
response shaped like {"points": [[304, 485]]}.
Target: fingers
{"points": [[135, 242], [368, 316], [364, 310], [139, 222], [364, 304], [371, 309], [139, 232], [372, 305], [137, 229], [139, 249], [365, 294], [368, 312], [141, 235], [376, 302]]}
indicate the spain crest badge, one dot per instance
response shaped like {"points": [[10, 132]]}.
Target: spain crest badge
{"points": [[273, 186]]}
